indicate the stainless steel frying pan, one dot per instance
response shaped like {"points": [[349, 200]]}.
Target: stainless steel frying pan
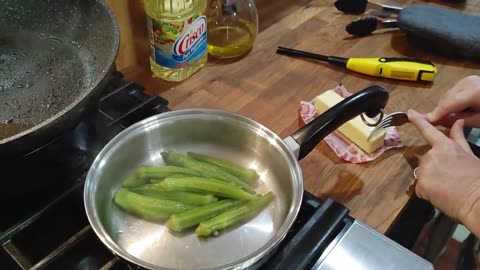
{"points": [[222, 134]]}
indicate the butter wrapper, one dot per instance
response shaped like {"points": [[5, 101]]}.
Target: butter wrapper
{"points": [[342, 147]]}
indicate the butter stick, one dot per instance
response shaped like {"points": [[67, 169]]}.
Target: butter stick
{"points": [[355, 130]]}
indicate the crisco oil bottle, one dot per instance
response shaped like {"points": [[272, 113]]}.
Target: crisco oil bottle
{"points": [[232, 27], [178, 37]]}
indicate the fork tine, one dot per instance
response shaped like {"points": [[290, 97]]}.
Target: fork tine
{"points": [[383, 124], [386, 123], [373, 132], [387, 118], [393, 119]]}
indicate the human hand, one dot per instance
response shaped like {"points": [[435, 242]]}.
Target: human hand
{"points": [[462, 101], [449, 174]]}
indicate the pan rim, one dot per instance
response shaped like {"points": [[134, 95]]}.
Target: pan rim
{"points": [[87, 91], [259, 254]]}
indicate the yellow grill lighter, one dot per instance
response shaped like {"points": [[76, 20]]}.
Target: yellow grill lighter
{"points": [[387, 67]]}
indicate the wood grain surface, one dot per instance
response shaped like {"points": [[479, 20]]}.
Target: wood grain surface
{"points": [[268, 88]]}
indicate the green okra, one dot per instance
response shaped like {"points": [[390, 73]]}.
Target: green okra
{"points": [[155, 181], [134, 181], [249, 176], [146, 173], [147, 207], [191, 198], [234, 215], [179, 222], [205, 185], [207, 170], [158, 180], [156, 172]]}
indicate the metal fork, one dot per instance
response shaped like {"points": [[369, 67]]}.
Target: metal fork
{"points": [[394, 119]]}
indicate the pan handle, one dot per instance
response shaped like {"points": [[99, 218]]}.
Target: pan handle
{"points": [[370, 101]]}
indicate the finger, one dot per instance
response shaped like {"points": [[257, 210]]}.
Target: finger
{"points": [[448, 98], [471, 119], [450, 119], [419, 192], [459, 87], [457, 135], [419, 184], [452, 104], [460, 97], [429, 132]]}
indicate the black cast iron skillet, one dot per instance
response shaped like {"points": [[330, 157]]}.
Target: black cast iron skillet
{"points": [[55, 57]]}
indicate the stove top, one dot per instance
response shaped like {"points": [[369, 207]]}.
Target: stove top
{"points": [[44, 225]]}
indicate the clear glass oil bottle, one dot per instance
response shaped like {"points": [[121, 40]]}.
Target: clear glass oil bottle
{"points": [[232, 27]]}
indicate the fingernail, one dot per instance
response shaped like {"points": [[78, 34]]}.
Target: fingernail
{"points": [[412, 113], [409, 114], [429, 116]]}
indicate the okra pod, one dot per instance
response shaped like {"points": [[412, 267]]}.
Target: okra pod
{"points": [[179, 222], [205, 185], [153, 190], [134, 181], [147, 207], [234, 215], [155, 181], [247, 175], [155, 172], [146, 173], [207, 170], [158, 180]]}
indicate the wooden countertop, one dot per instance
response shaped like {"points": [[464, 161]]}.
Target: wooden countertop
{"points": [[268, 88]]}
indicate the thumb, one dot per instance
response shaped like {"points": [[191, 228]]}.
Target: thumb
{"points": [[456, 134]]}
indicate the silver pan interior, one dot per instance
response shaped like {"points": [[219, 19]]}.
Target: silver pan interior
{"points": [[211, 132]]}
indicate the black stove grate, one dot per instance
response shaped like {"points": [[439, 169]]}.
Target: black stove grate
{"points": [[44, 225]]}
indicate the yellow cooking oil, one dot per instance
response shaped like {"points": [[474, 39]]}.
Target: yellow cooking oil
{"points": [[231, 38], [178, 37]]}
